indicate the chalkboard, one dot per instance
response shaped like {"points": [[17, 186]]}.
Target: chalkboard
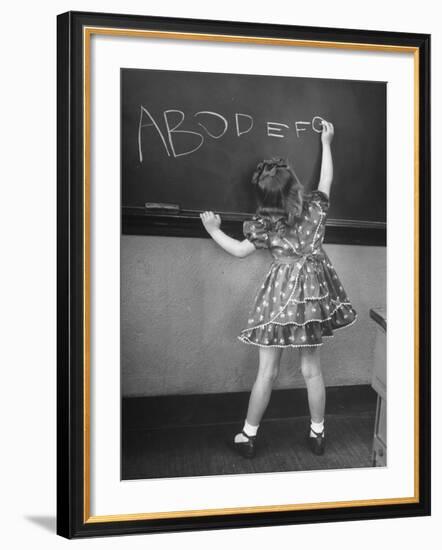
{"points": [[194, 139]]}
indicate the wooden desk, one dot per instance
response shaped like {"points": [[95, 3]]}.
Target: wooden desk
{"points": [[379, 384]]}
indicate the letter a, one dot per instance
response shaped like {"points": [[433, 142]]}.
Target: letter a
{"points": [[144, 111]]}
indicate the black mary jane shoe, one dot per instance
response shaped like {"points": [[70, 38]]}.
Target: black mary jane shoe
{"points": [[316, 444], [247, 449]]}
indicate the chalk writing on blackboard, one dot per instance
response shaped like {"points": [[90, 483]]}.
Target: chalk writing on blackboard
{"points": [[175, 121]]}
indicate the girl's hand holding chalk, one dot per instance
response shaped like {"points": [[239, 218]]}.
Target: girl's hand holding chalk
{"points": [[210, 221], [327, 132]]}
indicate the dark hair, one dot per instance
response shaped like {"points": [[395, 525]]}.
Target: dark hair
{"points": [[278, 190]]}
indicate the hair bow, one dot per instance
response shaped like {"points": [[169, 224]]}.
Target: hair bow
{"points": [[268, 168]]}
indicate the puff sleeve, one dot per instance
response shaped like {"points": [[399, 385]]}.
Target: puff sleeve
{"points": [[320, 199], [255, 230]]}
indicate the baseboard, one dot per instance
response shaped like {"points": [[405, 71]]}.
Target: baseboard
{"points": [[155, 412]]}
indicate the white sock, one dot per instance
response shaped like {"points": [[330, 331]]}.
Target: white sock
{"points": [[318, 427], [250, 431]]}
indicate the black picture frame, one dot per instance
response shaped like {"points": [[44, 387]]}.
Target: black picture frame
{"points": [[73, 513]]}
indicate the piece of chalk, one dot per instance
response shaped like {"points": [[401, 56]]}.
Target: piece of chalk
{"points": [[162, 206]]}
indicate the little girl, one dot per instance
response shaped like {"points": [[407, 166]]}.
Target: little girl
{"points": [[301, 300]]}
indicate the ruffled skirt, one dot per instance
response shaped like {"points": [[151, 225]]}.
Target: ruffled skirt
{"points": [[300, 302]]}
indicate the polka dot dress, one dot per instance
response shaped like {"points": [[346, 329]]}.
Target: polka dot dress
{"points": [[301, 300]]}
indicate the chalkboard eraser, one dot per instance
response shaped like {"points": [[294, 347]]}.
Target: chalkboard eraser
{"points": [[162, 207]]}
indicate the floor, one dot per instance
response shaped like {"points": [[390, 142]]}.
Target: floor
{"points": [[204, 450]]}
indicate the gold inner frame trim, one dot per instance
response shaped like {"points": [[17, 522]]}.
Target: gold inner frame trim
{"points": [[87, 34]]}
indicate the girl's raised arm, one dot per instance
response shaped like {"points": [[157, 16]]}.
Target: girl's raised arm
{"points": [[212, 223], [326, 177]]}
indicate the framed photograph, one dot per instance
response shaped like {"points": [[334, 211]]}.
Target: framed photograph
{"points": [[239, 206]]}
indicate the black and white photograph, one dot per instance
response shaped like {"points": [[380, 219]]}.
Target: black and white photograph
{"points": [[253, 274], [240, 207]]}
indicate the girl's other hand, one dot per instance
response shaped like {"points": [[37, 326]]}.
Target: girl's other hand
{"points": [[210, 221], [328, 132]]}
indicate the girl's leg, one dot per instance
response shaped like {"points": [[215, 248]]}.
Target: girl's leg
{"points": [[311, 370], [268, 369]]}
